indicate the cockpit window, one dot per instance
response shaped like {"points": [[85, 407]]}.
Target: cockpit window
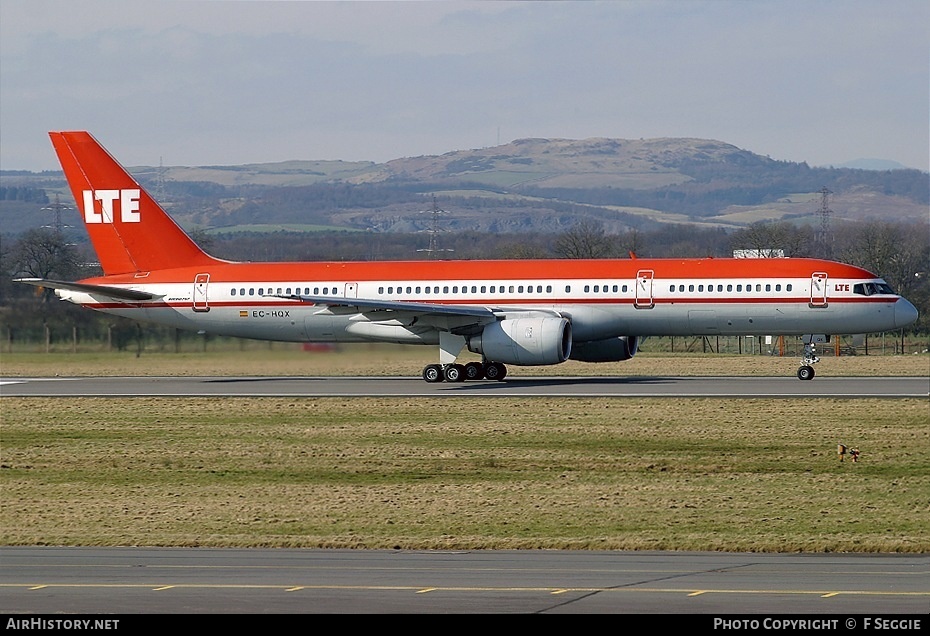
{"points": [[869, 289]]}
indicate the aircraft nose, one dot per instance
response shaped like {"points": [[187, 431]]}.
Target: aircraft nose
{"points": [[904, 313]]}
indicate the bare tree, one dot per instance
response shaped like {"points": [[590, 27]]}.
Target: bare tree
{"points": [[43, 253], [584, 240], [898, 253]]}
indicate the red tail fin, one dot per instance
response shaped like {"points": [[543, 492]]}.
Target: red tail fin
{"points": [[129, 230]]}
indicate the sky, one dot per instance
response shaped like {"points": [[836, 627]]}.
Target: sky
{"points": [[230, 82]]}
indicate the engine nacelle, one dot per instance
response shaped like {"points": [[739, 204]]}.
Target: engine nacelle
{"points": [[610, 350], [525, 341]]}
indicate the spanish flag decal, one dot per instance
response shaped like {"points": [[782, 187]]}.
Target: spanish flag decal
{"points": [[243, 314]]}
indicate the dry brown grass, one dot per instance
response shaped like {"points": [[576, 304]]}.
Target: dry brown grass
{"points": [[689, 474]]}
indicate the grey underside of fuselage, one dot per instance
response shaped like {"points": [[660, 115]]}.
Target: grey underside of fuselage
{"points": [[296, 323]]}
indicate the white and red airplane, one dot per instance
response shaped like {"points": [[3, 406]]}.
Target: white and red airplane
{"points": [[517, 312]]}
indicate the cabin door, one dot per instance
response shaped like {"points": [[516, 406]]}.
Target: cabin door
{"points": [[200, 292], [819, 289], [644, 299]]}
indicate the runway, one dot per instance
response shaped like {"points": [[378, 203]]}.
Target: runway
{"points": [[352, 582], [672, 387]]}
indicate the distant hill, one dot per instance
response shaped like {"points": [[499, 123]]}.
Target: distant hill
{"points": [[528, 185]]}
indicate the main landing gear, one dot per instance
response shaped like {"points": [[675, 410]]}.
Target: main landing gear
{"points": [[806, 371], [462, 372]]}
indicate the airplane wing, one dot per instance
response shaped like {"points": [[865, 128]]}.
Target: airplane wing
{"points": [[364, 305], [470, 314], [120, 293]]}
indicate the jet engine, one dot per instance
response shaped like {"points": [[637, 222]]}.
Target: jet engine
{"points": [[610, 350], [525, 341]]}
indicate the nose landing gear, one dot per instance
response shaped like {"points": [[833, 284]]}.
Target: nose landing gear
{"points": [[806, 370]]}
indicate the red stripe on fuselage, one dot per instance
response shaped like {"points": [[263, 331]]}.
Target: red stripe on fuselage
{"points": [[458, 271]]}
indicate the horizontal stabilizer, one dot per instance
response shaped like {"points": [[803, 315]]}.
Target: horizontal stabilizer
{"points": [[105, 290]]}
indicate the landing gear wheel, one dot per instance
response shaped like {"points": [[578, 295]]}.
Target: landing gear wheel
{"points": [[432, 373], [495, 371], [454, 373], [474, 371], [806, 372]]}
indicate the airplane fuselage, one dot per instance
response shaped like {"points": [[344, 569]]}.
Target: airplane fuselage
{"points": [[602, 299]]}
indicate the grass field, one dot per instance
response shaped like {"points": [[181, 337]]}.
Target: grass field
{"points": [[459, 473]]}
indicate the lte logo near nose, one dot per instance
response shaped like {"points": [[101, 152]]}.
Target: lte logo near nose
{"points": [[128, 205]]}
